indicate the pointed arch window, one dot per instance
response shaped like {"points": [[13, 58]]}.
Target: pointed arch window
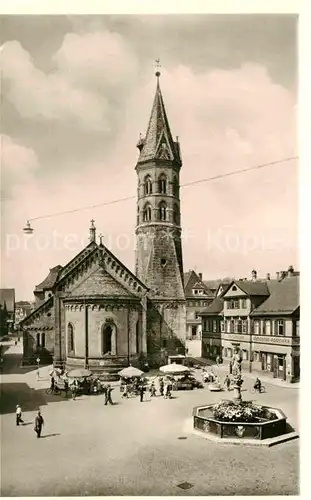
{"points": [[162, 210], [162, 184], [147, 213], [175, 187], [147, 185], [176, 217], [70, 336]]}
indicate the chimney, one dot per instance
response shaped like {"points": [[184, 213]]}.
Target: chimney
{"points": [[200, 276], [290, 271], [268, 277], [254, 275], [92, 232]]}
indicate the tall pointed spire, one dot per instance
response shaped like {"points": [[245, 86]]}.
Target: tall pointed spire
{"points": [[158, 142]]}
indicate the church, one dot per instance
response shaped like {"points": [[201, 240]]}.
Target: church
{"points": [[94, 312]]}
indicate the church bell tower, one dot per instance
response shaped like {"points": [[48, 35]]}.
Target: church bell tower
{"points": [[158, 228]]}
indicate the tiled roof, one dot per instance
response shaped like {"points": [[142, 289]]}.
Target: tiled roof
{"points": [[253, 287], [192, 280], [7, 296], [214, 284], [214, 307], [50, 280], [158, 142], [284, 297]]}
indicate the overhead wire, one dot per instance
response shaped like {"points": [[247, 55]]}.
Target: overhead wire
{"points": [[191, 183]]}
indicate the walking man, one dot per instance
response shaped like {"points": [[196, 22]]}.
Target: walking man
{"points": [[152, 390], [125, 393], [161, 386], [19, 415], [227, 382], [66, 387], [52, 384], [38, 424], [108, 395], [141, 393]]}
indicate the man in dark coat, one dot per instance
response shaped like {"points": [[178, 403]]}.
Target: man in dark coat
{"points": [[38, 424], [141, 393], [108, 395]]}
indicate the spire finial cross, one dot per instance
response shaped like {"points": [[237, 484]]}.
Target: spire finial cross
{"points": [[157, 66]]}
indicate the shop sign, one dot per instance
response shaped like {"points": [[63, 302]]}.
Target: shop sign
{"points": [[235, 337], [272, 340]]}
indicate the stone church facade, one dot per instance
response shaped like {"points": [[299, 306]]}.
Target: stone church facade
{"points": [[95, 312]]}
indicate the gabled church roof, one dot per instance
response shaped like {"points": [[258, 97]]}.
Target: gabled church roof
{"points": [[158, 142]]}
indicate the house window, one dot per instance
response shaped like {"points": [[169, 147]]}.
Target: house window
{"points": [[222, 326], [147, 185], [162, 184], [195, 292], [236, 304], [193, 331], [256, 356], [243, 303], [256, 327], [296, 328], [70, 335], [239, 326], [244, 326], [162, 211], [234, 288], [38, 340], [228, 323], [43, 339], [147, 213], [245, 354], [268, 327], [215, 326], [280, 327]]}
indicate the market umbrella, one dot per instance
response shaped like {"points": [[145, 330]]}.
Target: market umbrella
{"points": [[174, 369], [79, 373], [130, 371]]}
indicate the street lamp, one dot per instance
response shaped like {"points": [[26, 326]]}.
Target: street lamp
{"points": [[28, 229]]}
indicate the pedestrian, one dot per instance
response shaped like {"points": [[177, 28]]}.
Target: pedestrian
{"points": [[152, 390], [141, 393], [38, 424], [108, 395], [66, 387], [52, 384], [38, 374], [227, 382], [125, 393], [161, 387], [167, 391], [19, 415]]}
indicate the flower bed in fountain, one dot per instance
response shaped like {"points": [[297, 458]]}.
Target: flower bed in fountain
{"points": [[244, 419]]}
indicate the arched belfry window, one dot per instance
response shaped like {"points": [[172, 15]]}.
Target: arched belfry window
{"points": [[147, 213], [162, 210], [147, 185], [70, 336], [176, 214], [162, 184], [175, 187]]}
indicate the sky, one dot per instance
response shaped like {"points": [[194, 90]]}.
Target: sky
{"points": [[76, 92]]}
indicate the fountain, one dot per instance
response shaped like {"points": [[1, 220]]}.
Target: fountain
{"points": [[241, 422]]}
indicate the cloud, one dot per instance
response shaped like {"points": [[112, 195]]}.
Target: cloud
{"points": [[89, 69], [18, 165]]}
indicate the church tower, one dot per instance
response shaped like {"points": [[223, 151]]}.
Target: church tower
{"points": [[158, 229]]}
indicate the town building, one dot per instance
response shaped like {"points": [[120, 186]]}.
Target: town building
{"points": [[7, 310], [22, 309], [260, 318], [94, 311], [198, 296]]}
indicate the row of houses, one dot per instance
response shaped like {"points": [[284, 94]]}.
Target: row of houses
{"points": [[11, 312], [258, 317]]}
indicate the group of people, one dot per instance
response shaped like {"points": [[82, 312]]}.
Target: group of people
{"points": [[257, 385], [38, 420], [140, 387]]}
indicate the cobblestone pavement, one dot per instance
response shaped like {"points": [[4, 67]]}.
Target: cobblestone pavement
{"points": [[132, 448]]}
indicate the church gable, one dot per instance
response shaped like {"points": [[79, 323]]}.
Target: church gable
{"points": [[100, 282]]}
